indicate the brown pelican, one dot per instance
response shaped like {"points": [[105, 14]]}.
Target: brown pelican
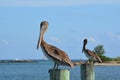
{"points": [[89, 54], [51, 52]]}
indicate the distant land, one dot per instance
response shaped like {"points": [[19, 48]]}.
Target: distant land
{"points": [[31, 60], [75, 61], [17, 61]]}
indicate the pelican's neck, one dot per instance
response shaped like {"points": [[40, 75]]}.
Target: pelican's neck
{"points": [[42, 36], [84, 47], [42, 40]]}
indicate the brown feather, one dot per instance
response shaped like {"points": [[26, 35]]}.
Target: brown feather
{"points": [[93, 54], [57, 54]]}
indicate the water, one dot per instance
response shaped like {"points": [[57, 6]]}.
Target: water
{"points": [[39, 71]]}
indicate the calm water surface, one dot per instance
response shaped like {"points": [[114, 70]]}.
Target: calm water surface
{"points": [[39, 71]]}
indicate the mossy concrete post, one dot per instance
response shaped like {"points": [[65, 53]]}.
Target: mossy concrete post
{"points": [[87, 72], [59, 74]]}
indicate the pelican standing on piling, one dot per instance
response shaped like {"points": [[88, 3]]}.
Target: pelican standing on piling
{"points": [[89, 54], [53, 53]]}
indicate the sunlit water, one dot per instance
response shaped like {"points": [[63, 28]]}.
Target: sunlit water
{"points": [[39, 71]]}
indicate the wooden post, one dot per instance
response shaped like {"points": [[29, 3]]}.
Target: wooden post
{"points": [[59, 74], [87, 72]]}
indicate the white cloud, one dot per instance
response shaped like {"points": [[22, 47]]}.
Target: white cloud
{"points": [[5, 42], [113, 36], [41, 3], [91, 39], [56, 40]]}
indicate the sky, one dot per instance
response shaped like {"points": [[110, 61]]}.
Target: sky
{"points": [[70, 22]]}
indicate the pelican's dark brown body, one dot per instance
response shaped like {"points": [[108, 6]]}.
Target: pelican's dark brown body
{"points": [[89, 54]]}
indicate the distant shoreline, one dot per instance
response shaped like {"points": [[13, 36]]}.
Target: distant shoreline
{"points": [[107, 64], [16, 61], [111, 63], [99, 64], [76, 62]]}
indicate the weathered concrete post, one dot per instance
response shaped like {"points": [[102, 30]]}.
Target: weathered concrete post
{"points": [[59, 74], [87, 72]]}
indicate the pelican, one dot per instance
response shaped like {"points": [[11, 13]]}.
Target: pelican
{"points": [[53, 53], [89, 54]]}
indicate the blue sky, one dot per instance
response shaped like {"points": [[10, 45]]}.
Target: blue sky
{"points": [[70, 21]]}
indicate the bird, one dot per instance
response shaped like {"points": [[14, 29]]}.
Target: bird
{"points": [[58, 56], [89, 54]]}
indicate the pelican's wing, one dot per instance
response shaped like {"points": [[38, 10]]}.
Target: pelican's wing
{"points": [[90, 53], [58, 54]]}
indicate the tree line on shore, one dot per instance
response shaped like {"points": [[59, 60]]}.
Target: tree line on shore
{"points": [[99, 49]]}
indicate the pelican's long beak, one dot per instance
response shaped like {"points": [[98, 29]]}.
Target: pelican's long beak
{"points": [[82, 50], [40, 38]]}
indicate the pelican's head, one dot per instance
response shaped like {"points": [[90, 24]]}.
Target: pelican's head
{"points": [[84, 43], [43, 25], [43, 28]]}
